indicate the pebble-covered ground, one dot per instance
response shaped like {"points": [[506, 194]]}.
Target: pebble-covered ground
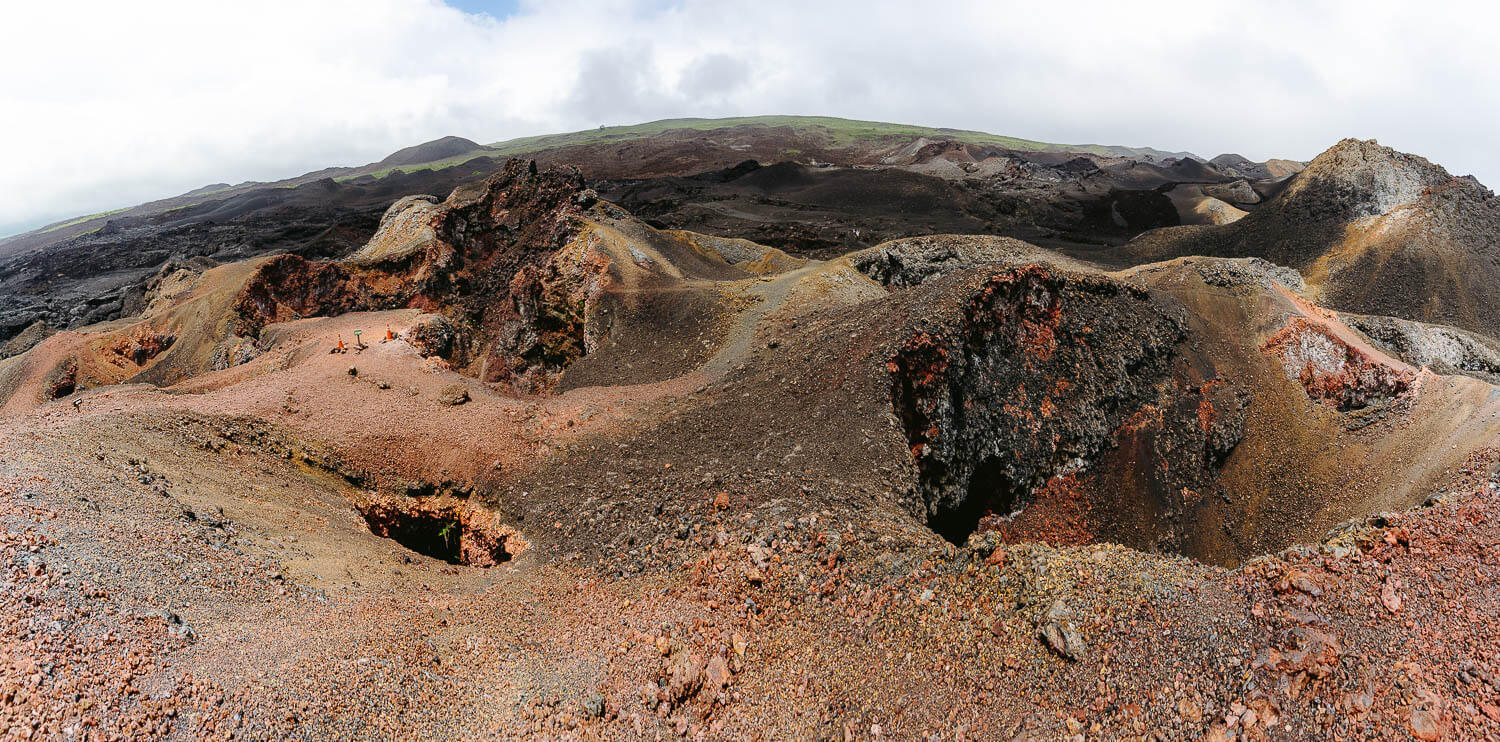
{"points": [[154, 589], [280, 550]]}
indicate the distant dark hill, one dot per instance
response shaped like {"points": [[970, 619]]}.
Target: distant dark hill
{"points": [[1188, 169], [1375, 231], [1240, 166], [437, 149]]}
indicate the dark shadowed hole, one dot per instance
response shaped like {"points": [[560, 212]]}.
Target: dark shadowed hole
{"points": [[990, 491], [435, 535], [438, 535]]}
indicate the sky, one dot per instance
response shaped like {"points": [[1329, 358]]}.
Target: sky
{"points": [[107, 104]]}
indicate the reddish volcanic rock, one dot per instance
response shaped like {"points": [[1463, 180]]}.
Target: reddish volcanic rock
{"points": [[491, 259], [1332, 370]]}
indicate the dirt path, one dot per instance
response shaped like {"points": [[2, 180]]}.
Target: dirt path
{"points": [[772, 295]]}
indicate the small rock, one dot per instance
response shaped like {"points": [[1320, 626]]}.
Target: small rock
{"points": [[353, 371], [1308, 650], [176, 626], [760, 555], [453, 395], [1189, 711], [717, 673], [1427, 717], [1218, 733], [1304, 583], [1063, 639], [997, 557], [1389, 597], [685, 675]]}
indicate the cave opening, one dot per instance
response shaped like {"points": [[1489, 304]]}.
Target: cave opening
{"points": [[990, 492], [442, 535]]}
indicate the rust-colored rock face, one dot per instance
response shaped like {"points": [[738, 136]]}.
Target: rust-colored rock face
{"points": [[138, 347], [1040, 372], [491, 259], [289, 287], [1060, 408], [541, 329], [453, 532], [1333, 371]]}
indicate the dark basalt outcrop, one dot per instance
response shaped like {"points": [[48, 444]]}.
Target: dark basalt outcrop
{"points": [[1045, 371], [914, 261], [1446, 350], [490, 259]]}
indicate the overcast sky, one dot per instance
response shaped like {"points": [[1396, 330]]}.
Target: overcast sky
{"points": [[108, 104]]}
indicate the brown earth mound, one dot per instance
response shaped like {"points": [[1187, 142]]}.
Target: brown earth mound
{"points": [[1375, 231], [491, 258]]}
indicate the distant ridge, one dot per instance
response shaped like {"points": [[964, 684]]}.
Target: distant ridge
{"points": [[847, 129], [452, 151]]}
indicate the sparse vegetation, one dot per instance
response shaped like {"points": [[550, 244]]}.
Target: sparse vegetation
{"points": [[82, 219], [843, 132]]}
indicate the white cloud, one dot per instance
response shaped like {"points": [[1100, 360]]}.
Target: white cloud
{"points": [[106, 104]]}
